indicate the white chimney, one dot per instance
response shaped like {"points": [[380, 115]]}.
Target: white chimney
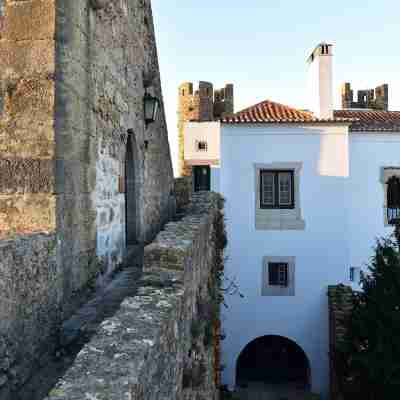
{"points": [[320, 81]]}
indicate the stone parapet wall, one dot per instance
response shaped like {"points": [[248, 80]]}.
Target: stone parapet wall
{"points": [[29, 307], [340, 300], [183, 189], [159, 345]]}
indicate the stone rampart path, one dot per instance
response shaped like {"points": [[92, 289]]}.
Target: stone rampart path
{"points": [[79, 329]]}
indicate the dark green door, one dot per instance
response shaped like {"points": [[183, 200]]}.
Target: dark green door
{"points": [[202, 178]]}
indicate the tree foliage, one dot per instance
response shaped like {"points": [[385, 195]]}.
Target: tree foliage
{"points": [[368, 359]]}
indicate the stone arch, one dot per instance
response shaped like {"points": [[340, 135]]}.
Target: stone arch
{"points": [[131, 192], [273, 359]]}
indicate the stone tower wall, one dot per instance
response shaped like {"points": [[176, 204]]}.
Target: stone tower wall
{"points": [[223, 101], [382, 97], [73, 75], [377, 99], [27, 138]]}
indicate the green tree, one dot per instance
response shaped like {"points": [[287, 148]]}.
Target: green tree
{"points": [[370, 354]]}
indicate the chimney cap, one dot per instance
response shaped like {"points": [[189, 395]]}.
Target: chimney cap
{"points": [[322, 49]]}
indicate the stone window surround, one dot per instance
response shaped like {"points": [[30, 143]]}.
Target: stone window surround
{"points": [[273, 290], [386, 173], [279, 219]]}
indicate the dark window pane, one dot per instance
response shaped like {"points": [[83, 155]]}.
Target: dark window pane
{"points": [[267, 188], [393, 192], [278, 274], [285, 188], [202, 146], [393, 199], [276, 189]]}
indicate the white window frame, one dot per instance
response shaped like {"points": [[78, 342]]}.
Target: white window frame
{"points": [[279, 218]]}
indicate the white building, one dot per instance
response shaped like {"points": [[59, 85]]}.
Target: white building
{"points": [[306, 195]]}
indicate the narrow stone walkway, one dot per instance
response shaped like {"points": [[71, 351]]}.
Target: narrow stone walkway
{"points": [[79, 329], [263, 391]]}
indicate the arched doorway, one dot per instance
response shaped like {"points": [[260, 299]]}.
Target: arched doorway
{"points": [[130, 193], [274, 364]]}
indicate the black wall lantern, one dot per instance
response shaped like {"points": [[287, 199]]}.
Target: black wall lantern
{"points": [[151, 106]]}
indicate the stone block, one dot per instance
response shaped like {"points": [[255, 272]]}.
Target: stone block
{"points": [[71, 15], [28, 213], [29, 100], [30, 20], [35, 142], [26, 59], [26, 176], [72, 113], [74, 210], [73, 176]]}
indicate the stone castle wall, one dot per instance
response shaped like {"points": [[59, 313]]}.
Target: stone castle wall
{"points": [[105, 56], [72, 79], [376, 99], [29, 306], [160, 344], [27, 140], [183, 188], [340, 300]]}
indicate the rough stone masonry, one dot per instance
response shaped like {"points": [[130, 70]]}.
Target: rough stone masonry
{"points": [[77, 160], [159, 344]]}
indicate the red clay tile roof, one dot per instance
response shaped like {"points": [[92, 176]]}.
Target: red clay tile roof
{"points": [[371, 120], [359, 120], [271, 112]]}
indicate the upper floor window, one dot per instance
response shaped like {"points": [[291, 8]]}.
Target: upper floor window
{"points": [[277, 196], [277, 189], [393, 200], [201, 146]]}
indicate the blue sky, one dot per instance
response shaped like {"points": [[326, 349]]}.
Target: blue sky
{"points": [[261, 46]]}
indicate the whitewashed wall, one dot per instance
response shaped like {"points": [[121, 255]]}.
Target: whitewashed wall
{"points": [[204, 131], [110, 206], [342, 203], [215, 179], [321, 250], [369, 153]]}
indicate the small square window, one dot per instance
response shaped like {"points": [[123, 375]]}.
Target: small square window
{"points": [[278, 274], [201, 146], [277, 189]]}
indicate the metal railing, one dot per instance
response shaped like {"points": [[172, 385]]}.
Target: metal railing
{"points": [[393, 215]]}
